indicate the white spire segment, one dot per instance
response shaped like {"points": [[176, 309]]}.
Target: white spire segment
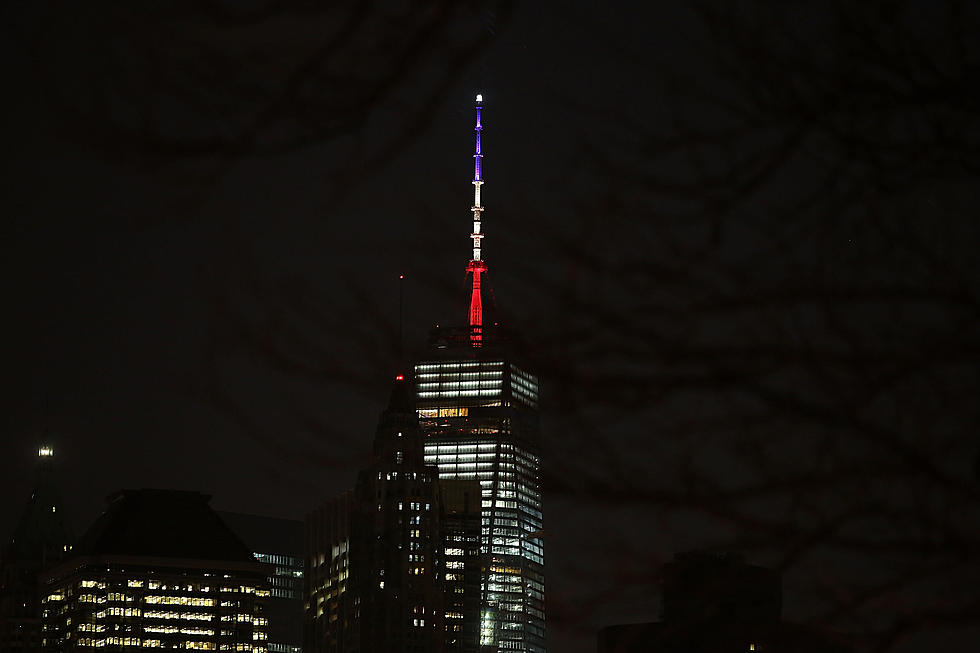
{"points": [[477, 208]]}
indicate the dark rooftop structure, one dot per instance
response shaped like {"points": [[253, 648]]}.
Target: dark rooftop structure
{"points": [[260, 533], [701, 587], [716, 603], [162, 523]]}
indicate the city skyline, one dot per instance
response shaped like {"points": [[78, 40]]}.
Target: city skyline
{"points": [[739, 241]]}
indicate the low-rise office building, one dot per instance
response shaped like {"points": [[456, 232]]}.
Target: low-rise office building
{"points": [[158, 569]]}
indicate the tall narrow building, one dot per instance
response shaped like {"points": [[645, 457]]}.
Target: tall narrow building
{"points": [[478, 409], [373, 556], [41, 539], [396, 534]]}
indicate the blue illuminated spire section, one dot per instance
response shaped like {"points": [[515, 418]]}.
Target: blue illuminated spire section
{"points": [[477, 208], [476, 266]]}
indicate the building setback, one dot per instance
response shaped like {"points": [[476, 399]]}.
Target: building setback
{"points": [[158, 569]]}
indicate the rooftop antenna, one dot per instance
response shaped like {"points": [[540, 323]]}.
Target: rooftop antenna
{"points": [[401, 314], [45, 449], [476, 266], [400, 374]]}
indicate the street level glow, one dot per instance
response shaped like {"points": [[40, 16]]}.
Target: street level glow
{"points": [[45, 452]]}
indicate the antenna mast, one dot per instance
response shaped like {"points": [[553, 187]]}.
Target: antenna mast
{"points": [[476, 266]]}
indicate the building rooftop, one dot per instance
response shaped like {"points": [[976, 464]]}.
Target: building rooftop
{"points": [[162, 523], [267, 534]]}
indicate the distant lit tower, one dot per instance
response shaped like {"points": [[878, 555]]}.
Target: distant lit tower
{"points": [[478, 409], [41, 538]]}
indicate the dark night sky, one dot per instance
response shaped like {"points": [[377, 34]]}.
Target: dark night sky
{"points": [[227, 322]]}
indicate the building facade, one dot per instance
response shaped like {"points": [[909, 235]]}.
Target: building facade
{"points": [[158, 569], [478, 408]]}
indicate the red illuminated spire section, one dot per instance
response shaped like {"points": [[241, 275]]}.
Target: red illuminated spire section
{"points": [[476, 301], [476, 267]]}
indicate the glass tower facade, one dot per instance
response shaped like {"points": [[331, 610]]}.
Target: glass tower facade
{"points": [[478, 409]]}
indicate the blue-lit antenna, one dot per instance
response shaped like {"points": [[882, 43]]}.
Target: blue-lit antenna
{"points": [[476, 266], [477, 208]]}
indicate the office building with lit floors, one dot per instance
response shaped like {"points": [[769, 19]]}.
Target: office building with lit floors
{"points": [[158, 569], [478, 408]]}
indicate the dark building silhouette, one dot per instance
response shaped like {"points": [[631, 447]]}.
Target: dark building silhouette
{"points": [[478, 410], [158, 569], [41, 538], [278, 543], [331, 612], [373, 566], [716, 603], [703, 587], [462, 562]]}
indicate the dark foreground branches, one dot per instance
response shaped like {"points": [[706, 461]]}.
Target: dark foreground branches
{"points": [[788, 348], [758, 319]]}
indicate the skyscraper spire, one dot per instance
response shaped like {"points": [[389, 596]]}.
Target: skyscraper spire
{"points": [[476, 267], [477, 208], [477, 408]]}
